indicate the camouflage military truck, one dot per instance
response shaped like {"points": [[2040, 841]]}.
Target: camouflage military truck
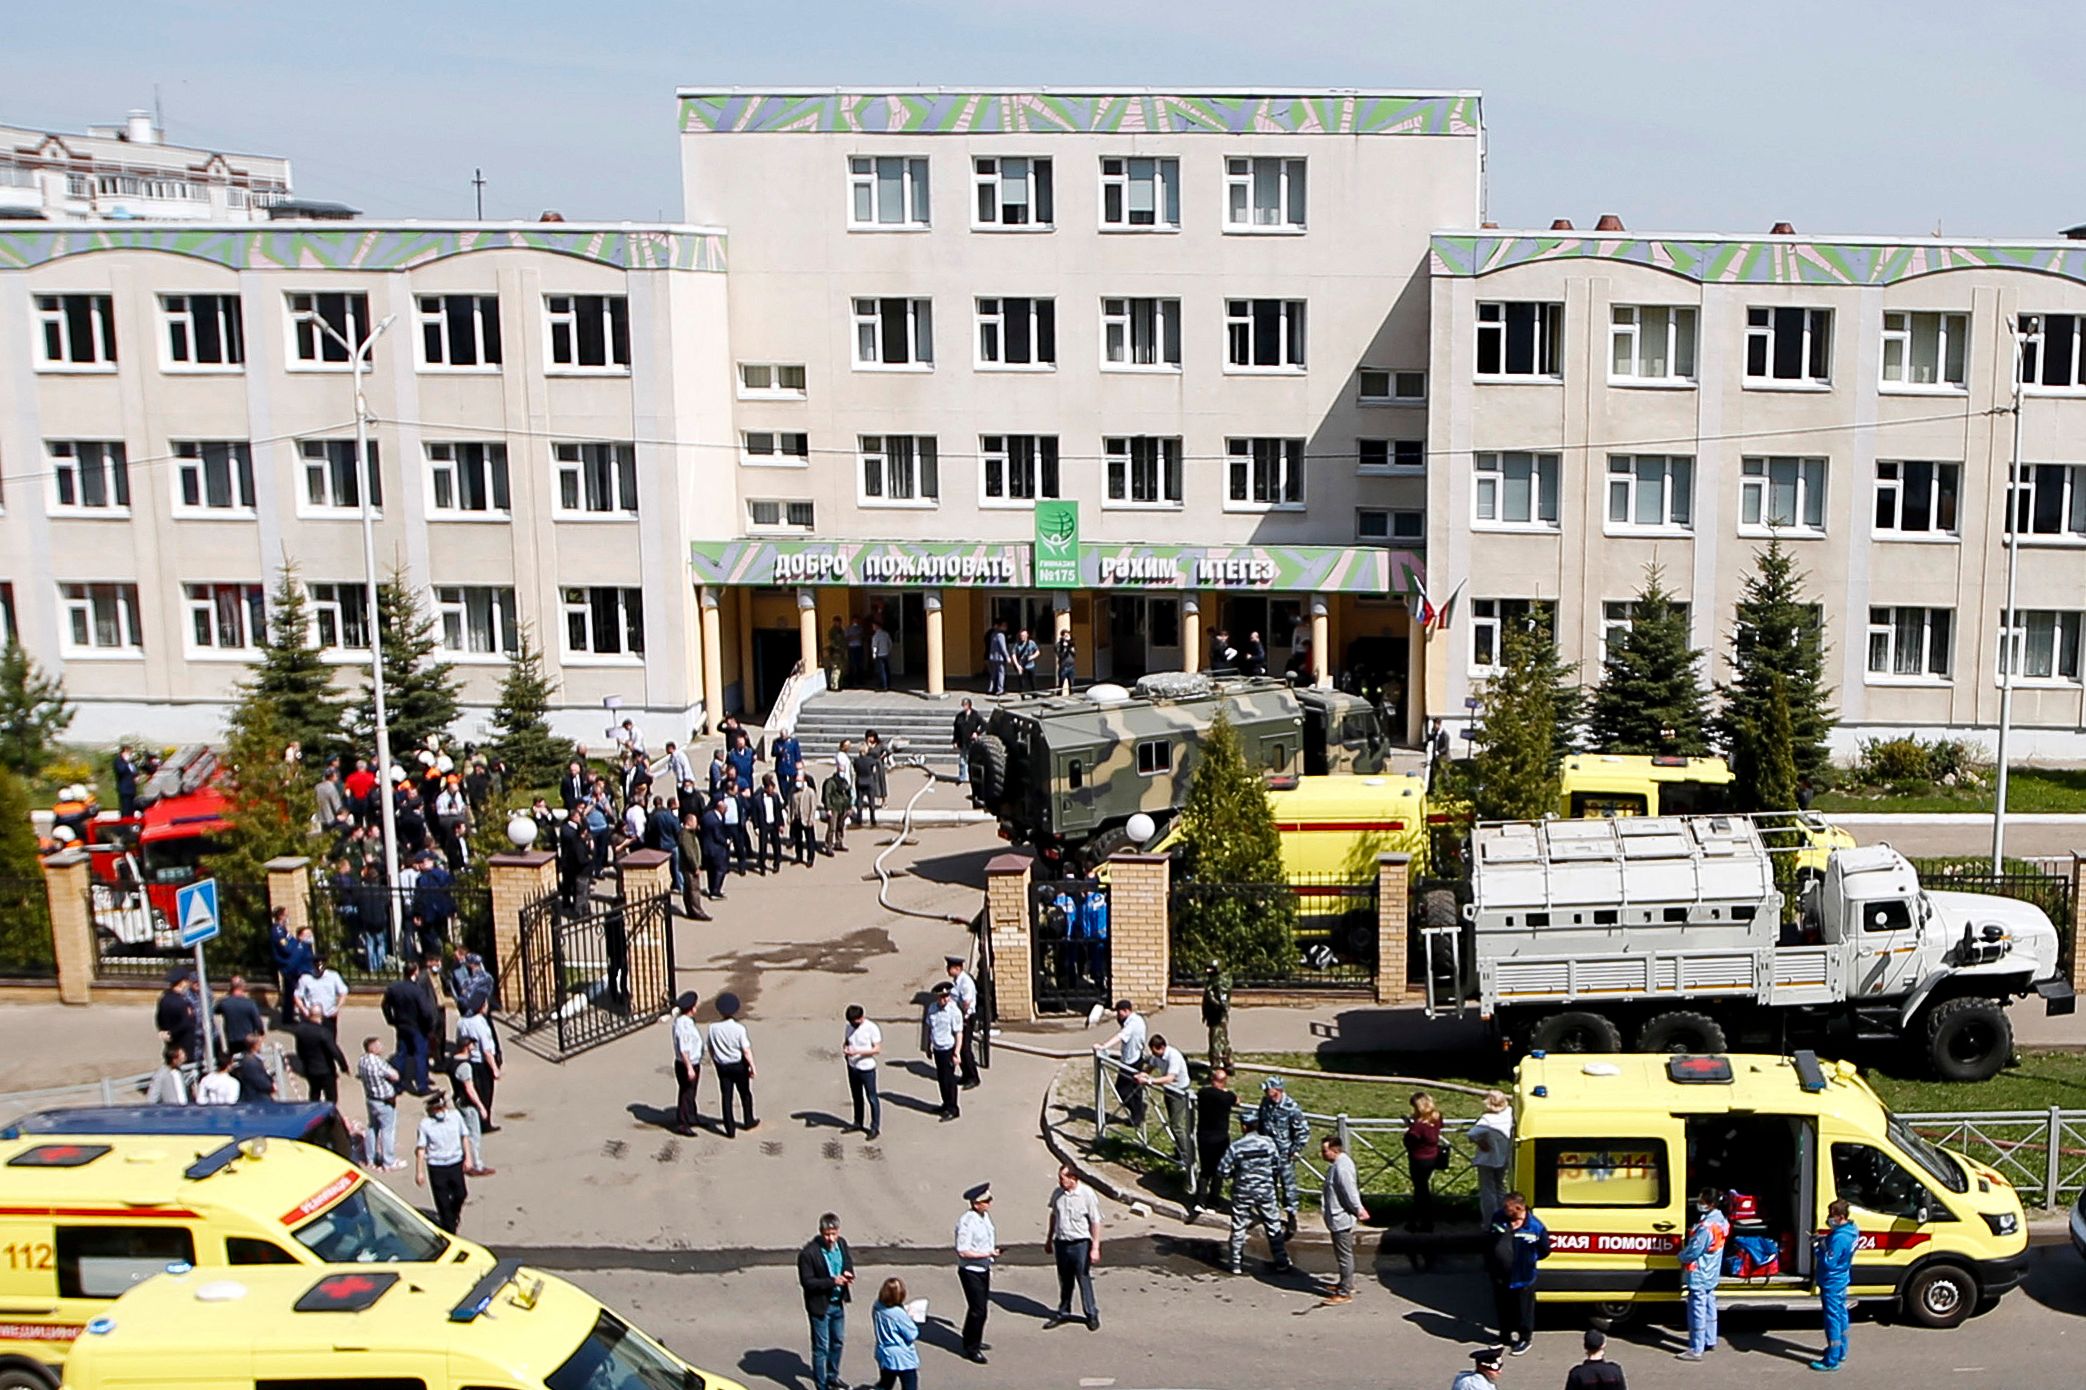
{"points": [[1066, 773]]}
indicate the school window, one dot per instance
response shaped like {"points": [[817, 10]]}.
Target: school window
{"points": [[100, 618], [1017, 468], [777, 515], [329, 475], [588, 332], [1600, 1172], [459, 330], [1923, 351], [771, 380], [1619, 615], [1515, 488], [225, 617], [2043, 644], [1154, 756], [88, 475], [1390, 455], [1390, 526], [1909, 643], [596, 478], [203, 330], [1487, 617], [2053, 351], [1650, 491], [104, 1261], [899, 470], [1781, 493], [2052, 501], [1915, 497], [1651, 343], [477, 619], [604, 621], [1011, 192], [9, 632], [1264, 335], [1140, 194], [887, 192], [894, 333], [1264, 474], [467, 479], [1521, 339], [1144, 470], [1793, 345], [76, 331], [344, 313], [215, 475], [1141, 333], [1263, 194], [774, 448], [1017, 332], [1383, 386], [339, 616]]}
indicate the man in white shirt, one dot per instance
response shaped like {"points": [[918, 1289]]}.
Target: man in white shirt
{"points": [[320, 995], [732, 1050], [1075, 1243], [860, 1046], [1129, 1044], [220, 1087], [170, 1083], [688, 1064], [977, 1246], [476, 1026], [944, 1027], [964, 990], [438, 1160], [1169, 1072], [679, 766]]}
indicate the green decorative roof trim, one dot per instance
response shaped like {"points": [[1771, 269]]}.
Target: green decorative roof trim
{"points": [[354, 247], [1777, 262], [1077, 113]]}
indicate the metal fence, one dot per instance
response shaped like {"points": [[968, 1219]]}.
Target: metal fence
{"points": [[1333, 928], [2041, 1152], [2045, 882], [1068, 932], [25, 930], [598, 972], [137, 940], [353, 925]]}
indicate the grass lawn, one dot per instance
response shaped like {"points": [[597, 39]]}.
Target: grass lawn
{"points": [[2028, 790]]}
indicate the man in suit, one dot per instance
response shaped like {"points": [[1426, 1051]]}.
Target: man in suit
{"points": [[573, 786], [771, 820], [688, 850], [715, 846], [126, 782]]}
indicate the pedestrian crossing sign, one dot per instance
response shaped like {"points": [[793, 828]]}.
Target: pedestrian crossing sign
{"points": [[195, 905]]}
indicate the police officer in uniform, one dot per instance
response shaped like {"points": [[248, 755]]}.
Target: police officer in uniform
{"points": [[977, 1246], [1282, 1121], [964, 990], [1250, 1163]]}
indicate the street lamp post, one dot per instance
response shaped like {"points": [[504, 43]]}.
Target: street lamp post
{"points": [[2009, 653], [358, 357]]}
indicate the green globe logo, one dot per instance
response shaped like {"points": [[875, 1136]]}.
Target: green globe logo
{"points": [[1057, 529]]}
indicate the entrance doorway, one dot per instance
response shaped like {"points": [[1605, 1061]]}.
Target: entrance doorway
{"points": [[775, 655], [1275, 619], [1144, 635], [904, 616]]}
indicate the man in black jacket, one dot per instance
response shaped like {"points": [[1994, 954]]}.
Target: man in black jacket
{"points": [[770, 818], [319, 1058], [826, 1270], [407, 1010], [716, 848]]}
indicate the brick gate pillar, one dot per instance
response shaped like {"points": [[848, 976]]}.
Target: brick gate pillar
{"points": [[1140, 951], [1007, 927], [515, 881], [1393, 925], [65, 879]]}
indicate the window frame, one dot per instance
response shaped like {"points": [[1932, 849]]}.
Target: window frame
{"points": [[782, 526], [1541, 461], [1762, 482], [776, 457], [919, 331], [1815, 348], [1392, 466], [621, 477], [328, 598], [230, 329], [2034, 329], [1292, 203], [498, 479], [1166, 194], [1491, 615], [1952, 333], [240, 481], [775, 392], [1629, 481], [1415, 535], [1886, 629], [206, 600], [484, 319], [1944, 488], [126, 614], [1045, 474], [372, 481], [584, 602], [114, 466], [924, 463], [354, 326], [614, 329], [54, 317], [1164, 322], [2067, 638], [1394, 377], [504, 622], [2070, 509], [1546, 328], [1120, 460], [1289, 479], [1242, 329], [915, 193], [1635, 332], [990, 325], [1040, 198]]}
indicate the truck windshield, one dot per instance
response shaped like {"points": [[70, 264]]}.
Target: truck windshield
{"points": [[615, 1358], [370, 1225], [1938, 1165]]}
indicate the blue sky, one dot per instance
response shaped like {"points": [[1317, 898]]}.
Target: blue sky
{"points": [[1850, 116]]}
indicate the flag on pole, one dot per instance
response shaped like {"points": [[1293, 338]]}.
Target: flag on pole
{"points": [[1447, 613]]}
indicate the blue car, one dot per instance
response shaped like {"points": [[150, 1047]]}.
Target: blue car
{"points": [[309, 1122]]}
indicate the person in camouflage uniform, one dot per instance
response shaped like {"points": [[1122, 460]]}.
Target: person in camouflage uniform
{"points": [[1250, 1163], [1216, 1013], [1282, 1121]]}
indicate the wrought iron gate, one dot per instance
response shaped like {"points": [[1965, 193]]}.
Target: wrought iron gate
{"points": [[1068, 940], [597, 971]]}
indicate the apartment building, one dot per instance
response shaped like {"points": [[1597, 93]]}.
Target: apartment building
{"points": [[1602, 402], [177, 420], [130, 170], [1201, 318]]}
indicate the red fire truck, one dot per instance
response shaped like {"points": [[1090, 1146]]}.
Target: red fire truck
{"points": [[139, 861]]}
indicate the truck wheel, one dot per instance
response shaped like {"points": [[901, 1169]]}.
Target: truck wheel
{"points": [[24, 1376], [1575, 1030], [988, 766], [1968, 1039], [1438, 908], [1939, 1296], [1614, 1313], [1681, 1030]]}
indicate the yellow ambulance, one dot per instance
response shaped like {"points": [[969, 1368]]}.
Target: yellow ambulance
{"points": [[1591, 785], [1611, 1150], [432, 1328], [84, 1217]]}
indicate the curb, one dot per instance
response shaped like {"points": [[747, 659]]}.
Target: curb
{"points": [[1916, 819]]}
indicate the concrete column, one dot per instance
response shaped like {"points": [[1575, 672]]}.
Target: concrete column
{"points": [[1007, 924], [1321, 642], [1060, 613], [289, 888], [2078, 922], [516, 880], [1393, 926], [807, 630], [712, 659], [1191, 631], [65, 879], [1415, 711], [1140, 955], [937, 666], [645, 873]]}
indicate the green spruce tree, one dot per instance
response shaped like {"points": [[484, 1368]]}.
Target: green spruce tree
{"points": [[420, 690], [33, 712], [520, 733], [1230, 853], [1515, 776], [1777, 633], [1650, 682], [25, 919], [293, 677]]}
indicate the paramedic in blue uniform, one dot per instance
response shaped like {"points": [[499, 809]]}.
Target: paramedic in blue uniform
{"points": [[1701, 1265], [1832, 1259]]}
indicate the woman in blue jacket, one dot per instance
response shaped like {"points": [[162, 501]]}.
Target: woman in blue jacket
{"points": [[897, 1358]]}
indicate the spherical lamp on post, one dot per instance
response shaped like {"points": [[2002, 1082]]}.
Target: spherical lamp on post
{"points": [[521, 830]]}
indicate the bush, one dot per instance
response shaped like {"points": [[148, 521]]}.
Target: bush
{"points": [[64, 772], [1915, 765], [1885, 762]]}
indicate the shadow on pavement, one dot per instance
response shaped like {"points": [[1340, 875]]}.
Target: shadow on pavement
{"points": [[1405, 1042], [786, 1368], [820, 1119], [657, 1116], [1020, 1305], [966, 869], [2054, 1280]]}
